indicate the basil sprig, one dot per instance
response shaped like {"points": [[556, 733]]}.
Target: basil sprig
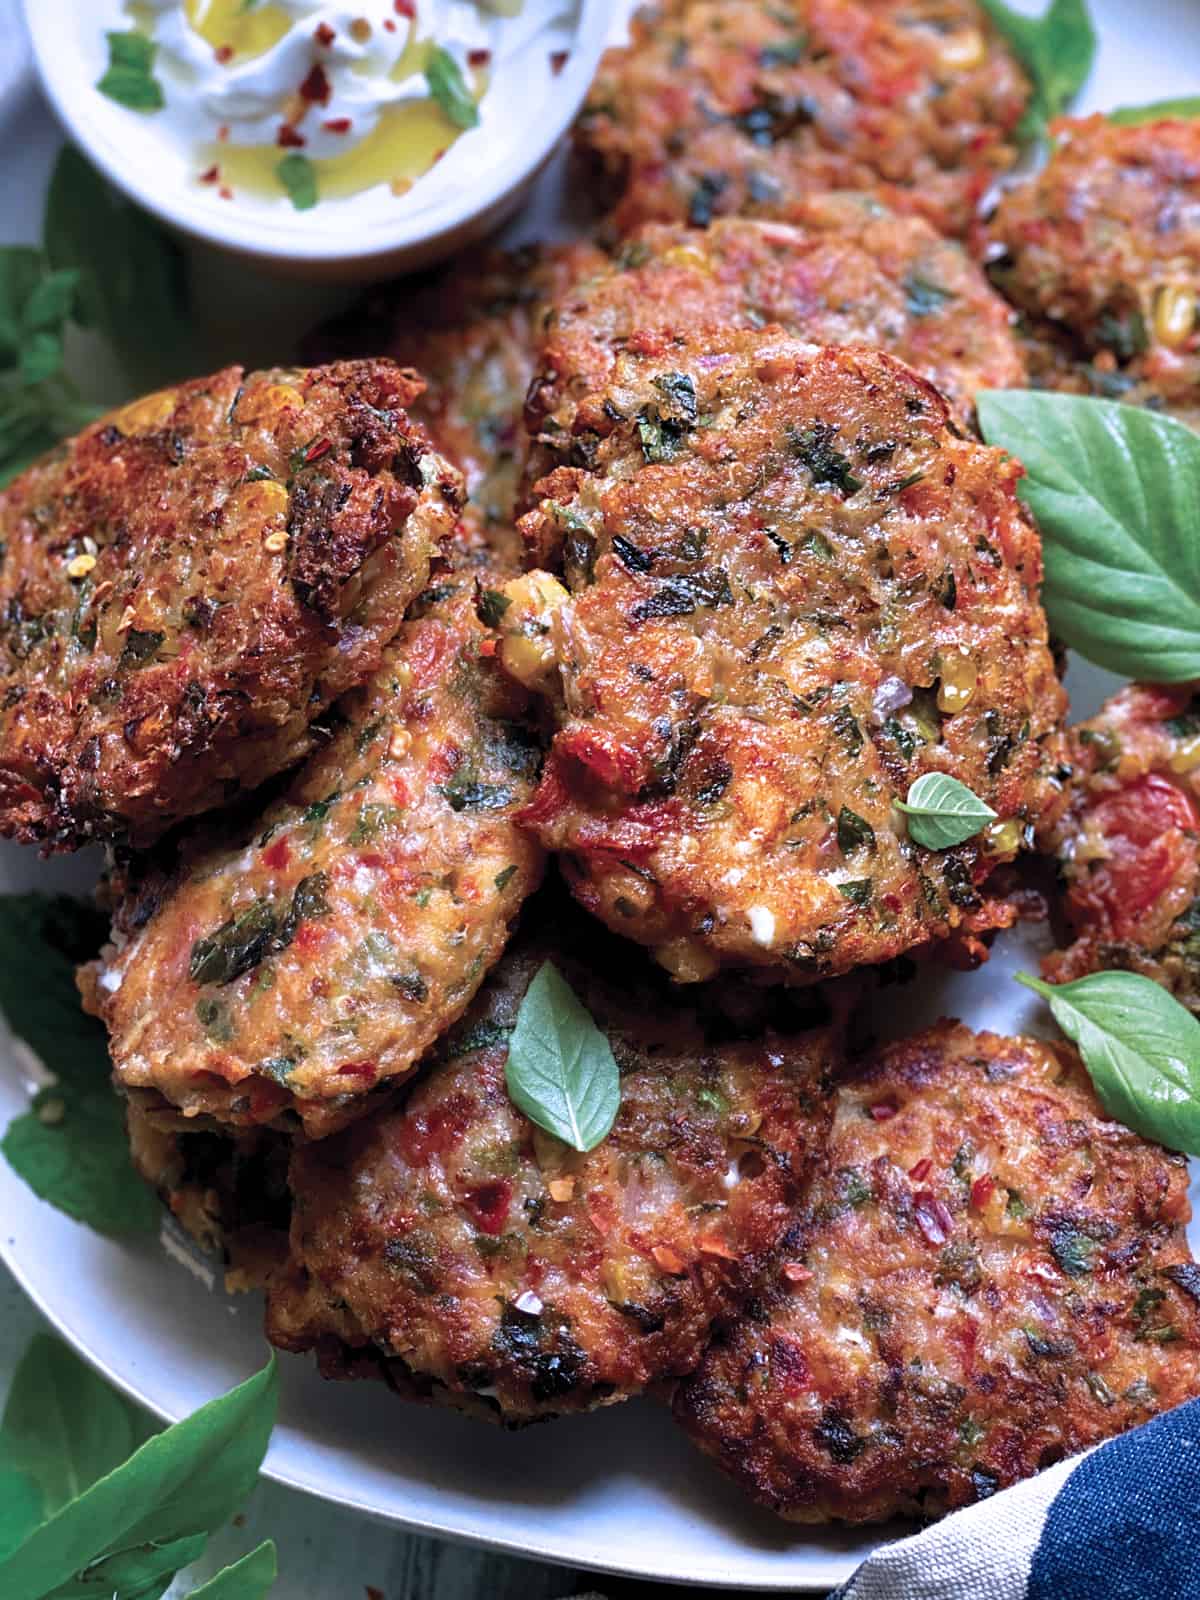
{"points": [[70, 1148], [943, 812], [1056, 49], [561, 1071], [1116, 493], [1182, 110], [1141, 1049], [298, 176], [76, 1516]]}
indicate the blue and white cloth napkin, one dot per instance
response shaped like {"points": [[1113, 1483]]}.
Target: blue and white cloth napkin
{"points": [[1121, 1522]]}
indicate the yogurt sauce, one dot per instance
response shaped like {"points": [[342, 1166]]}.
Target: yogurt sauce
{"points": [[249, 82]]}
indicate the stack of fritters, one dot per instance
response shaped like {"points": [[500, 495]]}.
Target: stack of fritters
{"points": [[732, 571]]}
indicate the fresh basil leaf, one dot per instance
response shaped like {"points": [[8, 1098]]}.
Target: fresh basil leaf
{"points": [[63, 1425], [41, 357], [144, 1573], [132, 283], [247, 1579], [299, 177], [1140, 1047], [71, 1148], [184, 1482], [449, 88], [129, 79], [20, 1508], [1115, 491], [1184, 110], [561, 1071], [72, 1151], [1056, 49], [943, 812]]}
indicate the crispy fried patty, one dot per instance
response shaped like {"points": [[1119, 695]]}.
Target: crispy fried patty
{"points": [[987, 1274], [283, 973], [1127, 841], [192, 580], [732, 106], [475, 1259], [794, 589], [847, 272], [472, 332], [228, 1192], [1103, 244]]}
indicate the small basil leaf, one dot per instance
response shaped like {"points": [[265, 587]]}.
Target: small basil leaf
{"points": [[1184, 110], [184, 1482], [247, 1579], [1056, 50], [1115, 491], [449, 88], [1140, 1047], [129, 80], [299, 177], [63, 1425], [561, 1071], [943, 812]]}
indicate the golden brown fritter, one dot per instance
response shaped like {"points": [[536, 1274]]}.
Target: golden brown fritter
{"points": [[229, 1193], [987, 1274], [1126, 838], [283, 972], [847, 272], [192, 580], [471, 330], [1104, 243], [473, 1258], [794, 590], [722, 107]]}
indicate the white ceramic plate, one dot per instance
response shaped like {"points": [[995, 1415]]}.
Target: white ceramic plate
{"points": [[619, 1490]]}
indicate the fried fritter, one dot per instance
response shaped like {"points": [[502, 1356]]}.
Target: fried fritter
{"points": [[1104, 243], [987, 1274], [471, 331], [192, 580], [1127, 841], [455, 1248], [229, 1193], [279, 974], [794, 589], [731, 106], [848, 272]]}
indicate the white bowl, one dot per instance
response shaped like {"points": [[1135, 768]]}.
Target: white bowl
{"points": [[474, 188]]}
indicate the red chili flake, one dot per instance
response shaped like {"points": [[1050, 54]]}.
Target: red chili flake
{"points": [[224, 53], [404, 8], [982, 1191], [489, 1205], [226, 194], [315, 88], [375, 1594], [278, 855], [338, 125], [288, 138], [325, 35], [223, 133], [438, 155], [558, 60], [934, 1221], [364, 1071], [795, 1273], [478, 58], [921, 1171], [883, 1110], [388, 25], [317, 449], [213, 175]]}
